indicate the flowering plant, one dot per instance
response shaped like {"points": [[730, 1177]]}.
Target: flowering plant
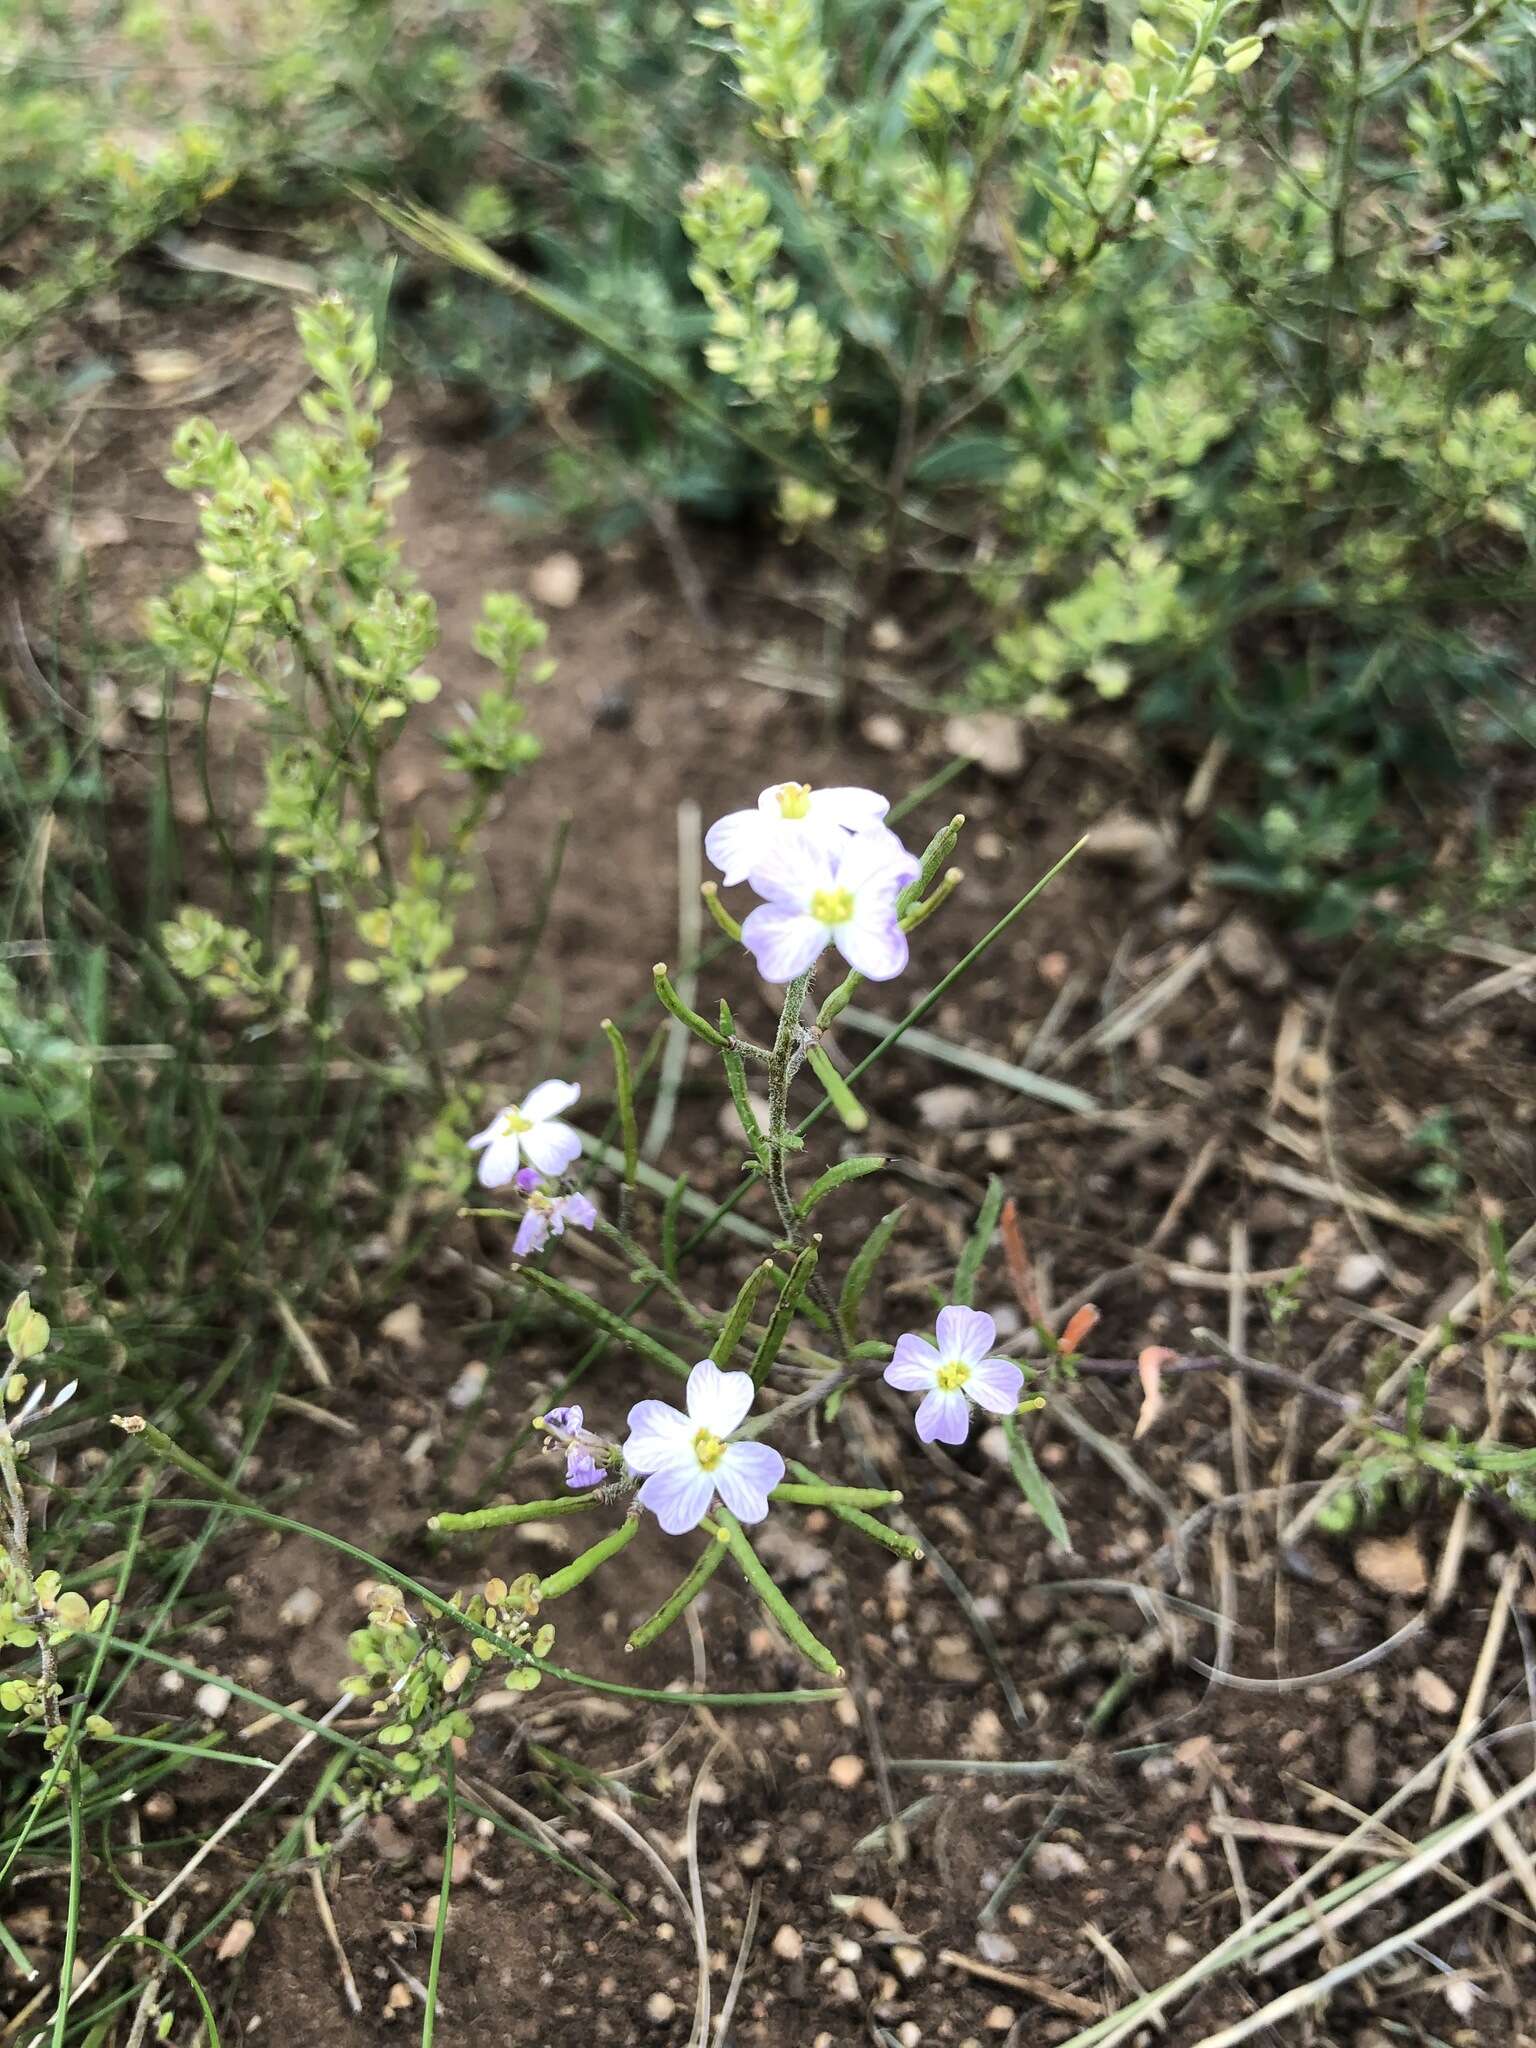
{"points": [[830, 872]]}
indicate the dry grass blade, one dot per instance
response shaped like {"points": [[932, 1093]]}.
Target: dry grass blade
{"points": [[1125, 1021], [1322, 1988], [232, 1820], [1440, 1847], [1038, 1988], [698, 2033], [690, 931], [738, 1974], [984, 1065], [327, 1917], [1477, 1691]]}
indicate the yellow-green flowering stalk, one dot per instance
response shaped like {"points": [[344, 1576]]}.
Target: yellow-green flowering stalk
{"points": [[39, 1617], [304, 609]]}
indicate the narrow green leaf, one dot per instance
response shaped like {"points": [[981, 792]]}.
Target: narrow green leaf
{"points": [[795, 1284], [582, 1567], [683, 1595], [756, 1575], [710, 891], [509, 1514], [979, 1243], [669, 999], [838, 1176], [814, 1493], [736, 1081], [601, 1318], [1033, 1484], [853, 1113], [893, 1539], [624, 1090], [732, 1329], [669, 1210], [862, 1269]]}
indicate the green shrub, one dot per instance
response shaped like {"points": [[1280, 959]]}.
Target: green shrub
{"points": [[1199, 354]]}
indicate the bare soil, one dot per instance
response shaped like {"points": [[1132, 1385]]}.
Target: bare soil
{"points": [[1262, 1121]]}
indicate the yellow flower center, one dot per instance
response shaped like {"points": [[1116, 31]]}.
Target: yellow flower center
{"points": [[952, 1375], [514, 1123], [708, 1449], [832, 906], [795, 800]]}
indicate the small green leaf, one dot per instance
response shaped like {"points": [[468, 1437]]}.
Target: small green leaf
{"points": [[862, 1269], [1034, 1485], [979, 1243], [838, 1176]]}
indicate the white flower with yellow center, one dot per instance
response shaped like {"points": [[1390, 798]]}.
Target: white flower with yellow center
{"points": [[690, 1458], [954, 1373], [532, 1131], [818, 895], [789, 812]]}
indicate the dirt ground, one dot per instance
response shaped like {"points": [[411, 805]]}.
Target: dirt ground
{"points": [[1261, 1116]]}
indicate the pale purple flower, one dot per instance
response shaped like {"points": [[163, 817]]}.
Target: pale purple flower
{"points": [[582, 1467], [690, 1458], [954, 1373], [816, 895], [546, 1216], [789, 812], [532, 1131]]}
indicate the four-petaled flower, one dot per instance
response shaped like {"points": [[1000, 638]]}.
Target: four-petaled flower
{"points": [[955, 1372], [690, 1458], [546, 1216], [816, 895], [532, 1131], [582, 1468], [787, 813]]}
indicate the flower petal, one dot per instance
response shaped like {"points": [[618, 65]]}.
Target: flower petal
{"points": [[914, 1364], [577, 1209], [498, 1162], [782, 942], [658, 1434], [483, 1138], [549, 1099], [876, 858], [551, 1146], [532, 1233], [678, 1496], [875, 945], [791, 867], [718, 1401], [856, 810], [581, 1468], [965, 1333], [943, 1417], [733, 844], [563, 1418], [745, 1476], [995, 1384]]}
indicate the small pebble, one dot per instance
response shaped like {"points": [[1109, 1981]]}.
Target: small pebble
{"points": [[300, 1608], [1432, 1692], [1357, 1274], [1055, 1860], [846, 1772], [911, 1962], [999, 2019], [789, 1944], [212, 1701], [660, 2008], [556, 581], [845, 1987]]}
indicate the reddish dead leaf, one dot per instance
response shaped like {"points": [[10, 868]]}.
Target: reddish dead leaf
{"points": [[1149, 1368], [1079, 1329], [1021, 1271]]}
